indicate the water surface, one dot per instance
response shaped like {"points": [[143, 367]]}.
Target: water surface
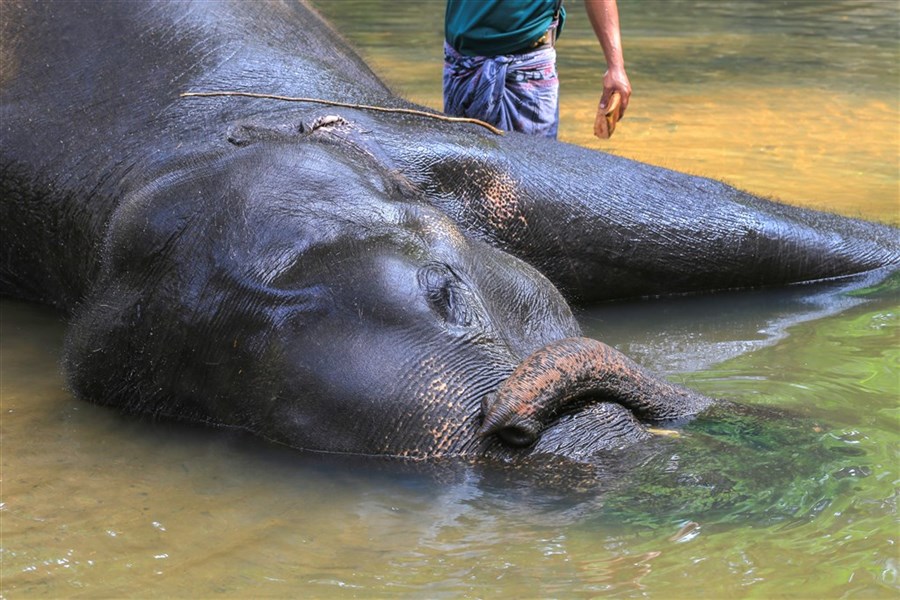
{"points": [[798, 99], [794, 99]]}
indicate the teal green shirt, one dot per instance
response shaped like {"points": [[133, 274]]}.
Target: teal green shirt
{"points": [[494, 27]]}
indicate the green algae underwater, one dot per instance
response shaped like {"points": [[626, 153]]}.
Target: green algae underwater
{"points": [[806, 454]]}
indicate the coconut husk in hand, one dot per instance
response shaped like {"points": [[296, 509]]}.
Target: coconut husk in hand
{"points": [[605, 122]]}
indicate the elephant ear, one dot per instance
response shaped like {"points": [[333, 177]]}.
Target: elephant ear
{"points": [[158, 302]]}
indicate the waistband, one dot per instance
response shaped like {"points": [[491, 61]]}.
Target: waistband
{"points": [[548, 40], [532, 56]]}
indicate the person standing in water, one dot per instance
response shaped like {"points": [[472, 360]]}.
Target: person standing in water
{"points": [[500, 63]]}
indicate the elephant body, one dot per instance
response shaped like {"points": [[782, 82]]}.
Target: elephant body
{"points": [[340, 279]]}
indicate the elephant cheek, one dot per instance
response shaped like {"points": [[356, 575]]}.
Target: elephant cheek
{"points": [[441, 411]]}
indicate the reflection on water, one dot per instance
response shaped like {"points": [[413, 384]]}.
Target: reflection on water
{"points": [[694, 333], [801, 506]]}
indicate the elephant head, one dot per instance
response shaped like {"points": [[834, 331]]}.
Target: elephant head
{"points": [[300, 290]]}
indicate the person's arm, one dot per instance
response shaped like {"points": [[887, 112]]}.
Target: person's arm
{"points": [[604, 17]]}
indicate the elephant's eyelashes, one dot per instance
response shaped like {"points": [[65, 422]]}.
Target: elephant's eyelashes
{"points": [[447, 296]]}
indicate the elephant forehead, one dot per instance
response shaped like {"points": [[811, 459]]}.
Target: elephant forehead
{"points": [[435, 229]]}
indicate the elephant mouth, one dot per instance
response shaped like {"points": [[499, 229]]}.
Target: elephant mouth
{"points": [[581, 392]]}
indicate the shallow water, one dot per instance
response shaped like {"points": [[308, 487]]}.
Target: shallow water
{"points": [[803, 505]]}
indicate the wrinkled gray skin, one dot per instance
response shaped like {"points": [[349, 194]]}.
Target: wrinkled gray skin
{"points": [[355, 284]]}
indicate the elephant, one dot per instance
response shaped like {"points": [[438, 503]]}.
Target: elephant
{"points": [[352, 274]]}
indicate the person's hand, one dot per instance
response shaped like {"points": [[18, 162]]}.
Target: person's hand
{"points": [[613, 101], [604, 17], [615, 80]]}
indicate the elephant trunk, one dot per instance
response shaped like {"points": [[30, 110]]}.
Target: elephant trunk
{"points": [[572, 372]]}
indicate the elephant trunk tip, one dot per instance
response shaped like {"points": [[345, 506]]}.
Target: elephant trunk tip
{"points": [[515, 430], [571, 373]]}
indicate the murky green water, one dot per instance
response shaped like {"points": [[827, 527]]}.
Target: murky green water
{"points": [[798, 99]]}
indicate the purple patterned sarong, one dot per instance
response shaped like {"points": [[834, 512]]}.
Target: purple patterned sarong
{"points": [[518, 92]]}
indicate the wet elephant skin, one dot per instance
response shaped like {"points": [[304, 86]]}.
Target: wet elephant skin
{"points": [[337, 279]]}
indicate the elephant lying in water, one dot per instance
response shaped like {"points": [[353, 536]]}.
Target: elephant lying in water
{"points": [[343, 280]]}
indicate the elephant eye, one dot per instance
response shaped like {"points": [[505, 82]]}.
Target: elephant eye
{"points": [[447, 295]]}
